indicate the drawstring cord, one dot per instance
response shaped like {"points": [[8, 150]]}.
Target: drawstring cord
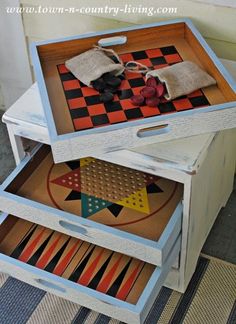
{"points": [[131, 66]]}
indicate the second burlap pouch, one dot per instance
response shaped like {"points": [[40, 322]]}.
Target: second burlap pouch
{"points": [[182, 79], [93, 63]]}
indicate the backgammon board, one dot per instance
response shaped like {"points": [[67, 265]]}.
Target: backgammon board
{"points": [[109, 272]]}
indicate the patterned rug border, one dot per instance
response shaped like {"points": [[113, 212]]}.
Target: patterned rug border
{"points": [[206, 256]]}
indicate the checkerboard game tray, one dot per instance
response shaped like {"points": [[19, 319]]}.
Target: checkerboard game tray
{"points": [[106, 281], [80, 125], [113, 206]]}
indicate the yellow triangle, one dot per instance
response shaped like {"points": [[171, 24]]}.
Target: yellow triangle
{"points": [[86, 161], [137, 201]]}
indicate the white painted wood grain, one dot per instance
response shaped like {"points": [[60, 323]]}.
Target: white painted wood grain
{"points": [[210, 190], [185, 152], [65, 24], [103, 142], [207, 16]]}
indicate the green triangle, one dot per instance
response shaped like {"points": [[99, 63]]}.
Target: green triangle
{"points": [[91, 205]]}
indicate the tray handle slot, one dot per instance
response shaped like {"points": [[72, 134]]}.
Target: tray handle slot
{"points": [[111, 41], [152, 131], [48, 284], [73, 227]]}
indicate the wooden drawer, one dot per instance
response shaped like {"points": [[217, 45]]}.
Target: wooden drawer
{"points": [[79, 125], [128, 211], [105, 281]]}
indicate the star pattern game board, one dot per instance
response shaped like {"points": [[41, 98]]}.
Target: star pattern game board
{"points": [[106, 193], [88, 112]]}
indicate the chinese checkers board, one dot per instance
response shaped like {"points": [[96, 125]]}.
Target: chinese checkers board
{"points": [[106, 193], [87, 111]]}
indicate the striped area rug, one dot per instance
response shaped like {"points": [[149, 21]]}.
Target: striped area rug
{"points": [[209, 299]]}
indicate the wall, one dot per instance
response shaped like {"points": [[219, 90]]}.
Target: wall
{"points": [[15, 75], [214, 18]]}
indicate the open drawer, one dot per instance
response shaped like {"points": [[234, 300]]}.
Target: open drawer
{"points": [[80, 125], [108, 282], [122, 209]]}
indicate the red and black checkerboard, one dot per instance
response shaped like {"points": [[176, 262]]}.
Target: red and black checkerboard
{"points": [[87, 111]]}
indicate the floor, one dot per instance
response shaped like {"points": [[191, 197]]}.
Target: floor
{"points": [[221, 242]]}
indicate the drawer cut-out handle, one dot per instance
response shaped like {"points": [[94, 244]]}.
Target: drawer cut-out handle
{"points": [[111, 41], [51, 285], [154, 130], [73, 227]]}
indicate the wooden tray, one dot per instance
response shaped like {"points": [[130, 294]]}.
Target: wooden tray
{"points": [[79, 125], [109, 282], [113, 206]]}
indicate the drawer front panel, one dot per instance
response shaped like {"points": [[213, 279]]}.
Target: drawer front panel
{"points": [[144, 224], [183, 126], [37, 255]]}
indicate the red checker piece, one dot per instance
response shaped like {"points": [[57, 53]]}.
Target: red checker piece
{"points": [[83, 123], [136, 91], [76, 103]]}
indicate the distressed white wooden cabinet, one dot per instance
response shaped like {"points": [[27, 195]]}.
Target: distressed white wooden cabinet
{"points": [[203, 164]]}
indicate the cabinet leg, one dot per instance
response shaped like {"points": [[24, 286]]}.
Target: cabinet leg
{"points": [[16, 144]]}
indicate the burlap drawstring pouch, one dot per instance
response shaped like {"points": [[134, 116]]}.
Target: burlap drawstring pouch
{"points": [[92, 64], [182, 79]]}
